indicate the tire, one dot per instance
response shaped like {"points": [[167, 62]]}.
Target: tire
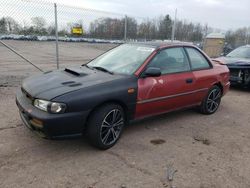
{"points": [[211, 102], [105, 126]]}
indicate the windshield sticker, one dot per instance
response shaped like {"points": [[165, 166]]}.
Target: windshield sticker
{"points": [[145, 49]]}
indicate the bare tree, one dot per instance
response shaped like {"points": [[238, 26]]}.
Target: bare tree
{"points": [[39, 24], [3, 26], [9, 25]]}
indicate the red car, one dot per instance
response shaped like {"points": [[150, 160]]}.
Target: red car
{"points": [[131, 81]]}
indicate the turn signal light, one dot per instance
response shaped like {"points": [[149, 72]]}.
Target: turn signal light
{"points": [[36, 123], [131, 90]]}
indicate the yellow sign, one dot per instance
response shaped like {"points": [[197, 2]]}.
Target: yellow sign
{"points": [[77, 30]]}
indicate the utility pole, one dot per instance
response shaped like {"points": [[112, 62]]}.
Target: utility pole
{"points": [[173, 27], [125, 28], [248, 35]]}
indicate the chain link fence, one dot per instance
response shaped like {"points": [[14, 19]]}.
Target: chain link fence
{"points": [[47, 34], [44, 34], [36, 20]]}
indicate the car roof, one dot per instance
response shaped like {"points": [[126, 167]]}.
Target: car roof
{"points": [[161, 44], [246, 46]]}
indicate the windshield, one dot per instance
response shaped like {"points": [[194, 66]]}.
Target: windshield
{"points": [[124, 59], [242, 52]]}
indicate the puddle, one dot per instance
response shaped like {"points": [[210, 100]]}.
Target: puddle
{"points": [[157, 141]]}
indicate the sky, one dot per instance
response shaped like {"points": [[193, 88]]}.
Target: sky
{"points": [[221, 14]]}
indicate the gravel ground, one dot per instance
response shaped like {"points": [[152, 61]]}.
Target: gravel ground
{"points": [[197, 150]]}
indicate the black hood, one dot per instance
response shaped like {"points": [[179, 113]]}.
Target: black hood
{"points": [[55, 83], [233, 61]]}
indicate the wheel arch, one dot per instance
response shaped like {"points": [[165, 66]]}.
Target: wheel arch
{"points": [[118, 102], [219, 84]]}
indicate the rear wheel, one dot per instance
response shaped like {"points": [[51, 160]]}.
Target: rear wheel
{"points": [[211, 102], [105, 126]]}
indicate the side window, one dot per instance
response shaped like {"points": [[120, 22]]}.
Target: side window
{"points": [[197, 60], [171, 60]]}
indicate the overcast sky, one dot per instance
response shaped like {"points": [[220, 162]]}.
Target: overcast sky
{"points": [[221, 14], [224, 14]]}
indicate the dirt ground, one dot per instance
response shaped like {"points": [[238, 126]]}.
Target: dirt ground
{"points": [[203, 151]]}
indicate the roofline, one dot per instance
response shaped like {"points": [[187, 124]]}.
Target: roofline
{"points": [[160, 45]]}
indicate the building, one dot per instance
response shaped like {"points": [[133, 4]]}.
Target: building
{"points": [[213, 44]]}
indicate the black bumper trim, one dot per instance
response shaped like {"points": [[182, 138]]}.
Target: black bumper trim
{"points": [[54, 125]]}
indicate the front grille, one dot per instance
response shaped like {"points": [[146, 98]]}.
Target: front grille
{"points": [[25, 93], [234, 72]]}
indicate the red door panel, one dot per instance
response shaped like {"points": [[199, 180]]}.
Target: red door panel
{"points": [[203, 79], [168, 92], [204, 73]]}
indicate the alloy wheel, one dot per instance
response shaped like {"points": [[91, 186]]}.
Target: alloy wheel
{"points": [[111, 127], [213, 100]]}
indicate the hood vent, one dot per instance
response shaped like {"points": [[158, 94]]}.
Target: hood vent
{"points": [[75, 84], [71, 84], [68, 83], [75, 71]]}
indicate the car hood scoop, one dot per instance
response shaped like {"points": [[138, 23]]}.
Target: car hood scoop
{"points": [[55, 83], [75, 71]]}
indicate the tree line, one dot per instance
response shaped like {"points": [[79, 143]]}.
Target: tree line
{"points": [[113, 28]]}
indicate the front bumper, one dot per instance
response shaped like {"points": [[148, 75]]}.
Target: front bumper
{"points": [[53, 125], [239, 76]]}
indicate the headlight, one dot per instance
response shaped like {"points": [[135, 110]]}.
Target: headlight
{"points": [[47, 106], [41, 104], [57, 107]]}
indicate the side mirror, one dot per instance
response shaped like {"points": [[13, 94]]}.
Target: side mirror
{"points": [[151, 72]]}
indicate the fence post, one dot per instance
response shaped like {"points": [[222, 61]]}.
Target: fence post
{"points": [[56, 34], [125, 28]]}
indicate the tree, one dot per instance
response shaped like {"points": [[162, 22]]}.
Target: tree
{"points": [[109, 28], [165, 27], [131, 27], [51, 30], [3, 26], [39, 24], [238, 37], [9, 25], [147, 30]]}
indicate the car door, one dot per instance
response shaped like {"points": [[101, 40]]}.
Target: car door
{"points": [[203, 73], [172, 90]]}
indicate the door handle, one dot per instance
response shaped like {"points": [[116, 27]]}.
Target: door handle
{"points": [[189, 80]]}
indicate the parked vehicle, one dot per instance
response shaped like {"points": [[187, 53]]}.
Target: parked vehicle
{"points": [[129, 82], [238, 62]]}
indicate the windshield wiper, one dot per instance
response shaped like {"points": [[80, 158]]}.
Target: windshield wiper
{"points": [[88, 66], [103, 69]]}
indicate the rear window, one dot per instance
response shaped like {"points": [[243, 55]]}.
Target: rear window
{"points": [[197, 60]]}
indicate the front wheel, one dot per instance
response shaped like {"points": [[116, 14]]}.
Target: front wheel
{"points": [[211, 102], [105, 126]]}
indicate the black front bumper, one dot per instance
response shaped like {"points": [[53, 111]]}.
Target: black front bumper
{"points": [[240, 76], [53, 125]]}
